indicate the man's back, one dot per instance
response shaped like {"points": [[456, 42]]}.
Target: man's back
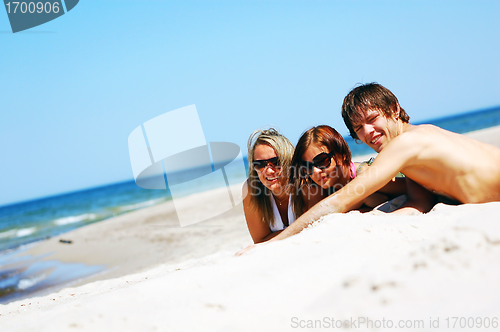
{"points": [[448, 163]]}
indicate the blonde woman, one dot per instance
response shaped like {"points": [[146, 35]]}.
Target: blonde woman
{"points": [[267, 206]]}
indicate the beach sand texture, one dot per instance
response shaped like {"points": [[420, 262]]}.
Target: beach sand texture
{"points": [[381, 267]]}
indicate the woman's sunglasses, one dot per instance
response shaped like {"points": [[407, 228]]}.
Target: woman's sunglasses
{"points": [[321, 161], [260, 164]]}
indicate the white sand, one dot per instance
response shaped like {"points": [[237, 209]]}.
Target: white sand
{"points": [[347, 267]]}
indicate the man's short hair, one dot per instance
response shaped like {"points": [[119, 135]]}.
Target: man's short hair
{"points": [[369, 96]]}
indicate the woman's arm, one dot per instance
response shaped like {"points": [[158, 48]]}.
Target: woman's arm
{"points": [[259, 231], [386, 166]]}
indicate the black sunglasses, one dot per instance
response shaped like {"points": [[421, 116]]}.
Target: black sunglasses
{"points": [[260, 164], [321, 161]]}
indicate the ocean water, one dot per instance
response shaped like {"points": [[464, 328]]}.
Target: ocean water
{"points": [[23, 224], [35, 220]]}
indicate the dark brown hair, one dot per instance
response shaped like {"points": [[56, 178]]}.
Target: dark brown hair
{"points": [[369, 96], [322, 135]]}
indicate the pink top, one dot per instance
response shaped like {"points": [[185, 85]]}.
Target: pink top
{"points": [[353, 170]]}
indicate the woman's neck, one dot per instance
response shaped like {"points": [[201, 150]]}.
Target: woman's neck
{"points": [[282, 198]]}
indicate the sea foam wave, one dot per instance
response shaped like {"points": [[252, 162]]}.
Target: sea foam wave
{"points": [[74, 219], [25, 231], [7, 234], [140, 205], [17, 232], [30, 282]]}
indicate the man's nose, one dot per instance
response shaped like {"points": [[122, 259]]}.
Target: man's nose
{"points": [[366, 129]]}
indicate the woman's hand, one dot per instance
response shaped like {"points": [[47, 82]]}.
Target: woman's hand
{"points": [[242, 251]]}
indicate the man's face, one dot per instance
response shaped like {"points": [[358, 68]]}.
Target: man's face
{"points": [[375, 129]]}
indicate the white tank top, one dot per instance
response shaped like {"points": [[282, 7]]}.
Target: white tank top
{"points": [[278, 224]]}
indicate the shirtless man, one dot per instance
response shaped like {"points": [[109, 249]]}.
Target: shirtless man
{"points": [[446, 163]]}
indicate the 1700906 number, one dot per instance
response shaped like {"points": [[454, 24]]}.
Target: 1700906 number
{"points": [[471, 322], [32, 7]]}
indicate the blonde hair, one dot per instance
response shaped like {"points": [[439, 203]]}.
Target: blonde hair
{"points": [[259, 194]]}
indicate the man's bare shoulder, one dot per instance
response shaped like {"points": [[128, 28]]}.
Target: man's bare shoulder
{"points": [[420, 136], [422, 130], [409, 146], [414, 138]]}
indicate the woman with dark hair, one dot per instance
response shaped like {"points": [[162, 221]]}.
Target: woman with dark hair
{"points": [[321, 164], [266, 202]]}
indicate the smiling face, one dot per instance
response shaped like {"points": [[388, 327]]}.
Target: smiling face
{"points": [[362, 103], [375, 129], [331, 176], [270, 175]]}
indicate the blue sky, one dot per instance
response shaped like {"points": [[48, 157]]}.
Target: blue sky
{"points": [[73, 89]]}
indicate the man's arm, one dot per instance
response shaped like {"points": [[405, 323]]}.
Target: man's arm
{"points": [[344, 200], [392, 159]]}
